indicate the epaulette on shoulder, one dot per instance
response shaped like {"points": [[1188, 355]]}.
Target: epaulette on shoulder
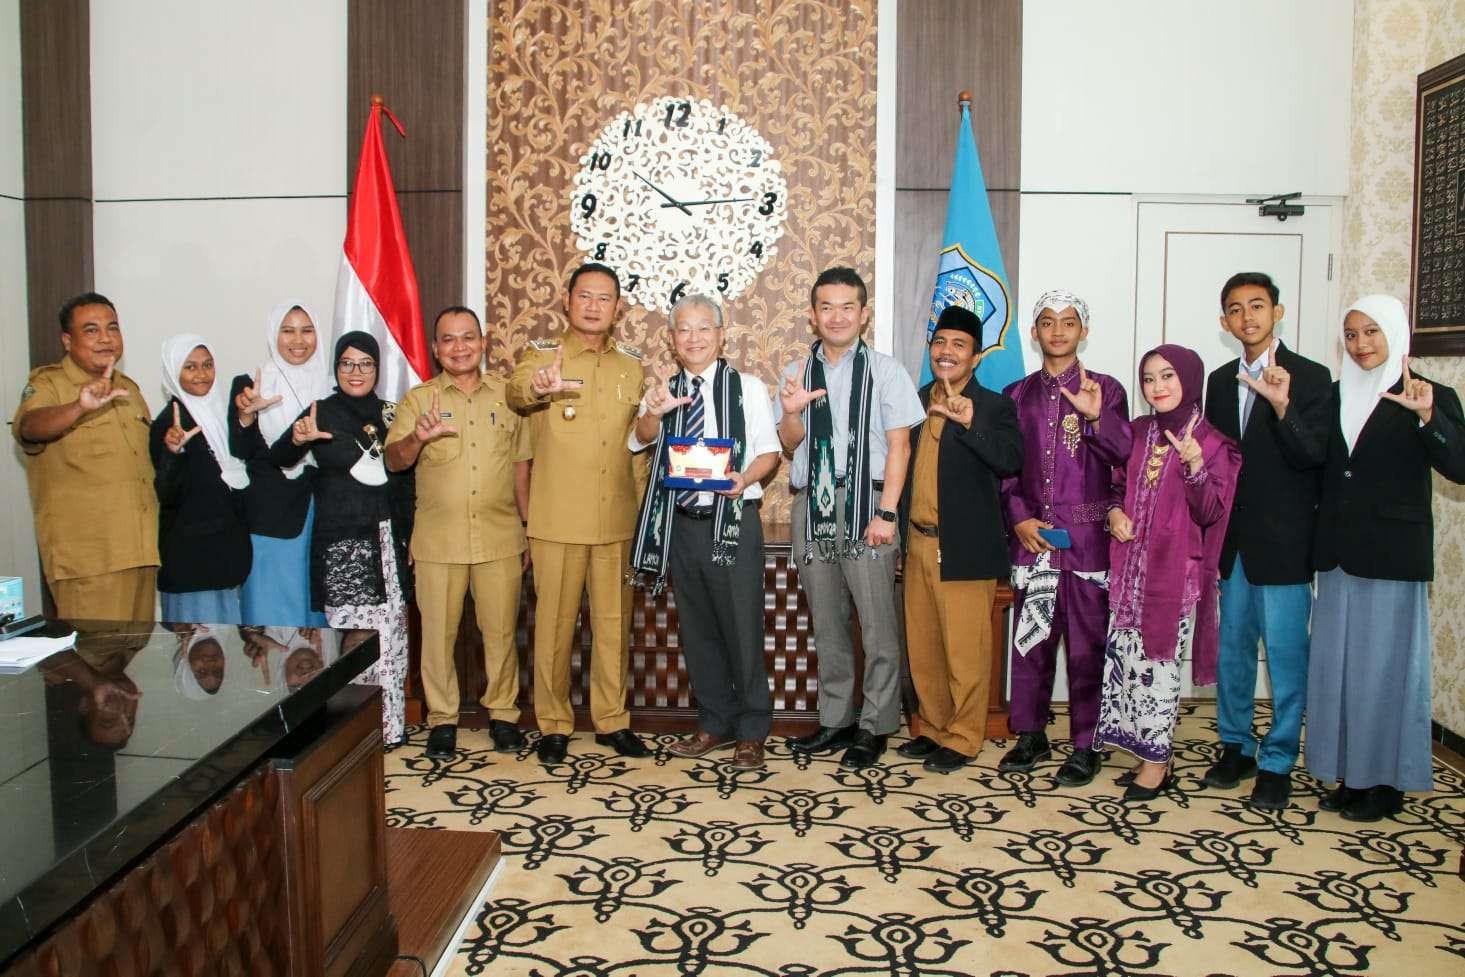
{"points": [[629, 350], [544, 345]]}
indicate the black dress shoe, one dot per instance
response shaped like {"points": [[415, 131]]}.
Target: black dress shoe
{"points": [[1231, 769], [825, 739], [1124, 779], [1081, 767], [552, 748], [506, 736], [864, 751], [1337, 798], [442, 742], [1030, 748], [1374, 804], [1134, 793], [946, 760], [624, 742], [918, 748], [1272, 791]]}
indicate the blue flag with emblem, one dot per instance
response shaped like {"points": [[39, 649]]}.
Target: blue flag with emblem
{"points": [[971, 273]]}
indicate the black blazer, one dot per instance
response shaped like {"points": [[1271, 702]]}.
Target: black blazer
{"points": [[274, 505], [202, 539], [1274, 516], [1375, 519], [969, 473]]}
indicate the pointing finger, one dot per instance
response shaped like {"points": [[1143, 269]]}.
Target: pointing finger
{"points": [[312, 412], [946, 385], [1194, 420], [276, 399], [435, 401], [1173, 439], [1083, 376], [256, 379], [115, 394], [107, 373], [1407, 377], [189, 434], [176, 422]]}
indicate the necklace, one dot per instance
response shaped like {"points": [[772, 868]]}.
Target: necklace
{"points": [[1155, 463]]}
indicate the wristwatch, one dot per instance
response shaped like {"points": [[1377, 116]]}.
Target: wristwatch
{"points": [[885, 514]]}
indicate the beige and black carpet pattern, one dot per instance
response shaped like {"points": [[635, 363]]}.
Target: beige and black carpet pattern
{"points": [[636, 868]]}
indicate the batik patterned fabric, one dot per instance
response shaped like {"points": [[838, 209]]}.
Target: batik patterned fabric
{"points": [[389, 620], [1141, 697]]}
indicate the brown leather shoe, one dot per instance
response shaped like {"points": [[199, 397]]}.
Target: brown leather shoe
{"points": [[748, 756], [698, 744]]}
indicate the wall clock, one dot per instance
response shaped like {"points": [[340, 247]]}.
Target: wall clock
{"points": [[679, 195]]}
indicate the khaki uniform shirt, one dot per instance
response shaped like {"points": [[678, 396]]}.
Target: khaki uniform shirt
{"points": [[91, 489], [465, 482], [586, 487], [925, 507]]}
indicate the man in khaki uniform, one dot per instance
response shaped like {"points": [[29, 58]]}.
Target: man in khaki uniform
{"points": [[472, 456], [581, 395], [83, 427]]}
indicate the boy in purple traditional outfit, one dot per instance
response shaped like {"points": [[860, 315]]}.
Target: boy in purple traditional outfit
{"points": [[1073, 443], [1179, 484]]}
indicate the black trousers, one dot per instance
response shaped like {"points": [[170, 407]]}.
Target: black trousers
{"points": [[720, 626]]}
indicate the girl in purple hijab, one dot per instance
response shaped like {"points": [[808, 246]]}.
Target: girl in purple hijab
{"points": [[1165, 546]]}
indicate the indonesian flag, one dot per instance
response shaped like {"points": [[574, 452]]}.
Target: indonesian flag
{"points": [[376, 290]]}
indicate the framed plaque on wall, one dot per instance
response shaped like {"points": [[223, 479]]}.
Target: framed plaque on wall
{"points": [[1437, 282]]}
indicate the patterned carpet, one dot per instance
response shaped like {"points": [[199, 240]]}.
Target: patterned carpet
{"points": [[617, 868]]}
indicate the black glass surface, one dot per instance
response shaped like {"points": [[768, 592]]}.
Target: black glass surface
{"points": [[111, 746]]}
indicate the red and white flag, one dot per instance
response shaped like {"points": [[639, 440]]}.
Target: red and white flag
{"points": [[376, 290]]}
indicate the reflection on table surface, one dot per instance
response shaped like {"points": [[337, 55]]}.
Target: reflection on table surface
{"points": [[94, 732]]}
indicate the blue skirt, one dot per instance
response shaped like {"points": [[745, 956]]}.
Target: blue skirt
{"points": [[201, 606], [1368, 683], [277, 591]]}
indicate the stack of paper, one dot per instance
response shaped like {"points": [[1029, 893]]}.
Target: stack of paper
{"points": [[18, 654]]}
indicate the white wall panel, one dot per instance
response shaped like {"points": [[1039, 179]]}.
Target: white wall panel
{"points": [[11, 176], [1186, 96], [17, 532], [218, 99], [216, 268]]}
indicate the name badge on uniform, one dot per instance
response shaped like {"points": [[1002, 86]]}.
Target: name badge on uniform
{"points": [[446, 415], [699, 464]]}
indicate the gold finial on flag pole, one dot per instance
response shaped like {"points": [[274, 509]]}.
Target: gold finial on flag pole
{"points": [[963, 97], [377, 99]]}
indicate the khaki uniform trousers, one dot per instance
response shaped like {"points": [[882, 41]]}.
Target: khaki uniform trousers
{"points": [[495, 589], [949, 642], [123, 595], [562, 571]]}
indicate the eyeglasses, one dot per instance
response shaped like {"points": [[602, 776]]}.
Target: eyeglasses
{"points": [[698, 331], [356, 366]]}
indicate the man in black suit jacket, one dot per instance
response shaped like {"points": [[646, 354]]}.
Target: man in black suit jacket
{"points": [[1274, 403], [956, 546]]}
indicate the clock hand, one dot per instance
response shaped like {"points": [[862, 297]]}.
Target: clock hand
{"points": [[704, 203], [672, 201]]}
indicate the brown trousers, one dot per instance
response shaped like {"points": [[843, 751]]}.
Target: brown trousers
{"points": [[949, 642], [495, 589], [124, 595]]}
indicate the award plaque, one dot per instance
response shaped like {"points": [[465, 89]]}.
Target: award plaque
{"points": [[698, 464]]}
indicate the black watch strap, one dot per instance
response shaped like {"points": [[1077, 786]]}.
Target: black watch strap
{"points": [[885, 514]]}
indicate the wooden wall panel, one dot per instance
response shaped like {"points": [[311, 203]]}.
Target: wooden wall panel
{"points": [[56, 110], [411, 54]]}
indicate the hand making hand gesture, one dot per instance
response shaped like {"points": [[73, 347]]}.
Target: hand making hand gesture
{"points": [[1187, 447], [1089, 401], [430, 424], [954, 407], [305, 431], [547, 380], [100, 392], [792, 396], [659, 401], [1121, 527], [175, 437], [1275, 385], [250, 403], [1417, 395]]}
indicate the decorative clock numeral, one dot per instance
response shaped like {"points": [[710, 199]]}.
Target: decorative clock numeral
{"points": [[769, 199], [600, 161], [600, 251], [722, 125], [678, 292], [632, 282], [757, 158], [682, 111], [757, 249], [626, 131], [587, 205], [722, 281]]}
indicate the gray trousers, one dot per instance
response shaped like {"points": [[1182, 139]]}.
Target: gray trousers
{"points": [[720, 627], [869, 583]]}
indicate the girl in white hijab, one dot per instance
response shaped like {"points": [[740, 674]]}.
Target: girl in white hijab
{"points": [[280, 506], [202, 538], [1368, 694]]}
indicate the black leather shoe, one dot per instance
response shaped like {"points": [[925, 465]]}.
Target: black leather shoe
{"points": [[918, 748], [552, 748], [946, 760], [1134, 793], [442, 742], [825, 739], [1125, 779], [864, 751], [1271, 792], [624, 742], [1030, 748], [1374, 804], [1231, 769], [1081, 767], [506, 736], [1337, 798]]}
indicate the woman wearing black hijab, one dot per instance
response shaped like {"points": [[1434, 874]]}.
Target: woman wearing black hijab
{"points": [[359, 573]]}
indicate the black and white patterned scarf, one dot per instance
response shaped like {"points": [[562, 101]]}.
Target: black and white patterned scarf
{"points": [[821, 529]]}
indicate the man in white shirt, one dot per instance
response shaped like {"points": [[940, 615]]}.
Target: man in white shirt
{"points": [[710, 544]]}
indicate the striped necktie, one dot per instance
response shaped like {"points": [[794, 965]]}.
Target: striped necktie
{"points": [[1250, 394], [693, 428]]}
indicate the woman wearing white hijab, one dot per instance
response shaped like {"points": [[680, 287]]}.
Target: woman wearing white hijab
{"points": [[202, 537], [279, 506], [1368, 694]]}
